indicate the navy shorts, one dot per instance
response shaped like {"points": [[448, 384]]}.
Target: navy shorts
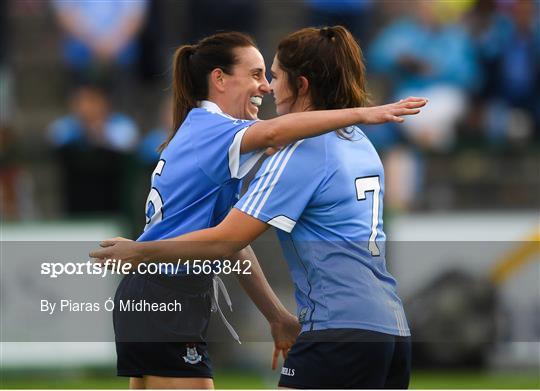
{"points": [[162, 343], [347, 358]]}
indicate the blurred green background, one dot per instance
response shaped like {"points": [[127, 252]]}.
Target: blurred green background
{"points": [[105, 379]]}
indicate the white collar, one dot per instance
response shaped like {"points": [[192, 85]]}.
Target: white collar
{"points": [[210, 106]]}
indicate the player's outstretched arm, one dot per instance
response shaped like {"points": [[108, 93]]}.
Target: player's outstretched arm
{"points": [[283, 130]]}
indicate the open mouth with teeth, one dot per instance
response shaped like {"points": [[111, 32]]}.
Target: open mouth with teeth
{"points": [[256, 100]]}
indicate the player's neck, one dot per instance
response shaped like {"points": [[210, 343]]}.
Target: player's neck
{"points": [[222, 103], [302, 104]]}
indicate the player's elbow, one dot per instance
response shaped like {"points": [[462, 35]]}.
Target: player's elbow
{"points": [[230, 248], [224, 243]]}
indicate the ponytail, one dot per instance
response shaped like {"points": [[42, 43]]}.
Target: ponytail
{"points": [[183, 89], [191, 66], [332, 61], [352, 85]]}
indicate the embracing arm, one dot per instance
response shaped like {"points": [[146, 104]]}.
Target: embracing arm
{"points": [[280, 131], [230, 237], [258, 289], [233, 234], [283, 325]]}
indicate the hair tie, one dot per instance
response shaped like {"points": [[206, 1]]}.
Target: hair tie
{"points": [[328, 32]]}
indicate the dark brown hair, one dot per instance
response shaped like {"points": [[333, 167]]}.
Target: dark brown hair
{"points": [[331, 60], [191, 66]]}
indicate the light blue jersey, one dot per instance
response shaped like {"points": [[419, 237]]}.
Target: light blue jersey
{"points": [[325, 195], [198, 177]]}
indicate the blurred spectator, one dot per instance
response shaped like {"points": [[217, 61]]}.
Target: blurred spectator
{"points": [[425, 56], [430, 55], [92, 146], [100, 34], [355, 15], [508, 44]]}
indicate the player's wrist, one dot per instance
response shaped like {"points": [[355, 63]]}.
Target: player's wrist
{"points": [[274, 316], [362, 114], [280, 316], [143, 253]]}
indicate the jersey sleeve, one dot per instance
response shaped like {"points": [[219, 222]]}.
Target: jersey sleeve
{"points": [[217, 143], [284, 186]]}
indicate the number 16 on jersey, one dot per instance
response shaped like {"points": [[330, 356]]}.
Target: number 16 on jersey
{"points": [[154, 202]]}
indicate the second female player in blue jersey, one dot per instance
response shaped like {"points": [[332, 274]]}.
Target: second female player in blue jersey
{"points": [[324, 194]]}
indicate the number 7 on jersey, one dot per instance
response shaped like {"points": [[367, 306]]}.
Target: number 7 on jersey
{"points": [[365, 185]]}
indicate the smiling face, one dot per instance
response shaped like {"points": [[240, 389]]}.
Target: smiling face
{"points": [[283, 95], [243, 89]]}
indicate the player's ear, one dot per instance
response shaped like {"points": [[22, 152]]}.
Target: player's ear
{"points": [[217, 80], [302, 84]]}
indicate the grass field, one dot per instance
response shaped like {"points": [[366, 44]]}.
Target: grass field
{"points": [[227, 380]]}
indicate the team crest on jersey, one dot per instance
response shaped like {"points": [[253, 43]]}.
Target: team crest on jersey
{"points": [[192, 356]]}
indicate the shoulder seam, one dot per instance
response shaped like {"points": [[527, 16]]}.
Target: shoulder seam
{"points": [[258, 196]]}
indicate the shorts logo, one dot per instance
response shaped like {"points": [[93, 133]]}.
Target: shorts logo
{"points": [[192, 356], [287, 371]]}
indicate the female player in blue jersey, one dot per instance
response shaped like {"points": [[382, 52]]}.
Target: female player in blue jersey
{"points": [[197, 179]]}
